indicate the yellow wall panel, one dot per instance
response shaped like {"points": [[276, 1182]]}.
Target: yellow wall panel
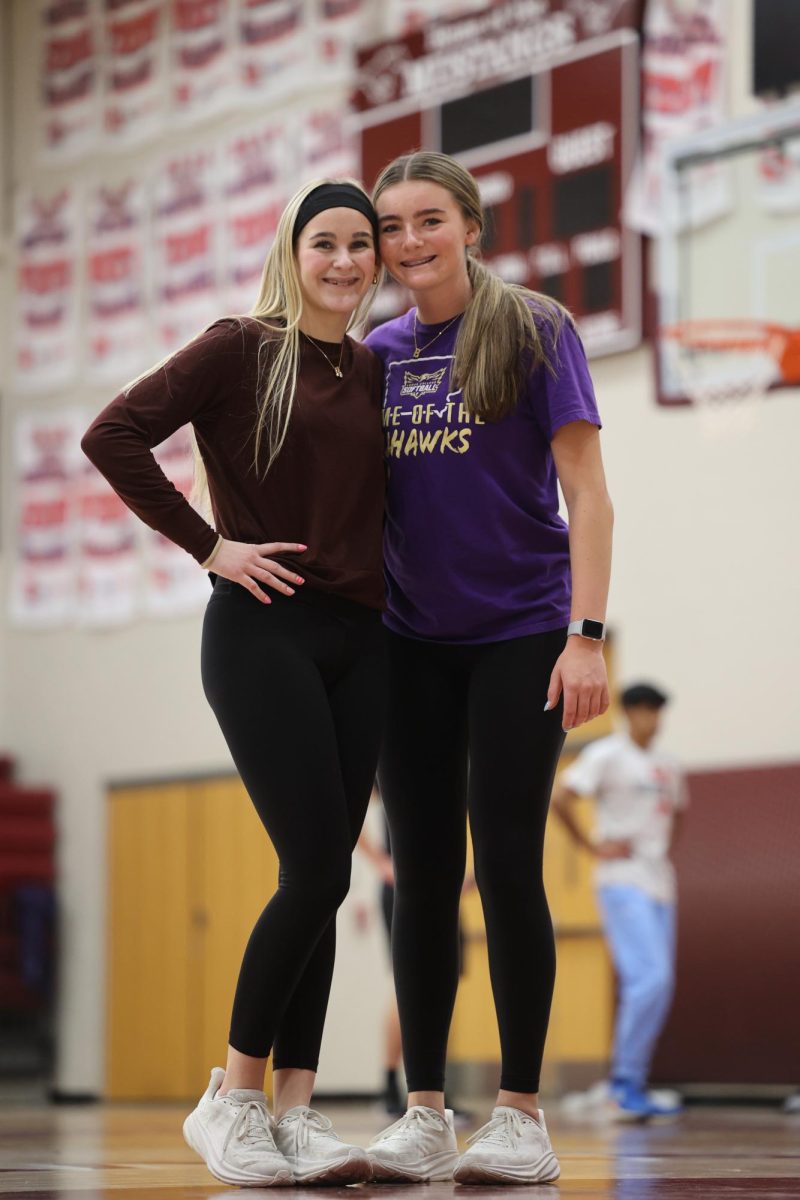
{"points": [[581, 1020], [473, 1034], [191, 868], [568, 875], [239, 875], [149, 1039]]}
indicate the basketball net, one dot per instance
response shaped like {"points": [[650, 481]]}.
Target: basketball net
{"points": [[727, 367]]}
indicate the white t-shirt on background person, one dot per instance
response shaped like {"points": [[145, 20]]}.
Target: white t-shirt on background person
{"points": [[637, 793]]}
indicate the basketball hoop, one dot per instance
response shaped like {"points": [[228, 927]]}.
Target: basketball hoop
{"points": [[725, 367]]}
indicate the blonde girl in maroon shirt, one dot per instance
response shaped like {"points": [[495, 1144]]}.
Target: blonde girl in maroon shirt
{"points": [[286, 411]]}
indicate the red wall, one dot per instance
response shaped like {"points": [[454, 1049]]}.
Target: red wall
{"points": [[736, 1016]]}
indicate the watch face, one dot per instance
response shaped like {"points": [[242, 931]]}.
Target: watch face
{"points": [[593, 629]]}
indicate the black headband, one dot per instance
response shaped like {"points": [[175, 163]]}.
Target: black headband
{"points": [[334, 195]]}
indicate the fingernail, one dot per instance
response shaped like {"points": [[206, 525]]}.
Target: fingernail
{"points": [[547, 706], [299, 579], [566, 728], [300, 547], [289, 591]]}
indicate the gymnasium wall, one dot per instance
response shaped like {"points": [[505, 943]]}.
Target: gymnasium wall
{"points": [[5, 306], [704, 579]]}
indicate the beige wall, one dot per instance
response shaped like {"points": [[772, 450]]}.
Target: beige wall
{"points": [[705, 574], [705, 570], [5, 307]]}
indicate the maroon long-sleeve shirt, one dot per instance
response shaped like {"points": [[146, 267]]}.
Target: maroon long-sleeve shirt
{"points": [[325, 489]]}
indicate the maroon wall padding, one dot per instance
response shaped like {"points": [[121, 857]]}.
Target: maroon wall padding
{"points": [[27, 857], [27, 833], [29, 867], [736, 1015], [24, 801]]}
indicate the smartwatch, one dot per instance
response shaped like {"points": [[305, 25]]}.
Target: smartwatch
{"points": [[595, 630]]}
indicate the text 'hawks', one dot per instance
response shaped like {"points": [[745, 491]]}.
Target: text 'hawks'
{"points": [[426, 441]]}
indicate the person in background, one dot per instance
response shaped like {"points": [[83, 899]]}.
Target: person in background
{"points": [[640, 796], [286, 412]]}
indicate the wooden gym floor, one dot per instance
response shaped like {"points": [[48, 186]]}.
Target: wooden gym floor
{"points": [[90, 1153]]}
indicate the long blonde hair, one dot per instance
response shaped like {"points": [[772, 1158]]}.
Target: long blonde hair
{"points": [[500, 332]]}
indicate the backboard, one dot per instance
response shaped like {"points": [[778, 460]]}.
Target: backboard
{"points": [[728, 263]]}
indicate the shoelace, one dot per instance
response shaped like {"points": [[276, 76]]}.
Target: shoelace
{"points": [[406, 1127], [503, 1129], [312, 1121], [251, 1125]]}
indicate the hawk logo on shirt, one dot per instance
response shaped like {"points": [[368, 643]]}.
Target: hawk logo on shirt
{"points": [[417, 386]]}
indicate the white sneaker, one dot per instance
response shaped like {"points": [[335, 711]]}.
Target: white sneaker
{"points": [[315, 1153], [512, 1147], [420, 1147], [595, 1101], [232, 1135]]}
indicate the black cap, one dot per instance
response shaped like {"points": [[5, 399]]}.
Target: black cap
{"points": [[646, 695]]}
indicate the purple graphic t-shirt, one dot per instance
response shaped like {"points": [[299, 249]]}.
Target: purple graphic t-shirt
{"points": [[475, 550]]}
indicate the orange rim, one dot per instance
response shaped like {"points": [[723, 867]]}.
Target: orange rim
{"points": [[728, 334]]}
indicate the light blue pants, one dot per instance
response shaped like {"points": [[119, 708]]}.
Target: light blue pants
{"points": [[641, 936]]}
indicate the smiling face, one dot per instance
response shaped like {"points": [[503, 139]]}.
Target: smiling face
{"points": [[336, 260], [424, 234]]}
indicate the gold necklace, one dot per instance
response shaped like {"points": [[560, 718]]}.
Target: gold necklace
{"points": [[337, 367], [419, 349]]}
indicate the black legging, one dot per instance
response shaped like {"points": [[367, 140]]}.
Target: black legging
{"points": [[298, 688], [448, 704]]}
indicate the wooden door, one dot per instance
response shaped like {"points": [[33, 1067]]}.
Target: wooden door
{"points": [[190, 869], [239, 870], [151, 1026]]}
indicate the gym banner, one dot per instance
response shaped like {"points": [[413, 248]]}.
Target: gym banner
{"points": [[184, 247], [684, 90], [779, 176], [135, 50], [46, 333], [117, 328], [327, 146], [272, 56], [203, 71], [173, 583], [337, 27], [47, 456], [108, 564], [69, 80], [255, 186]]}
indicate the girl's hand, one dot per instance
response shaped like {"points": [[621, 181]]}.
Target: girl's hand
{"points": [[580, 672], [244, 563]]}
